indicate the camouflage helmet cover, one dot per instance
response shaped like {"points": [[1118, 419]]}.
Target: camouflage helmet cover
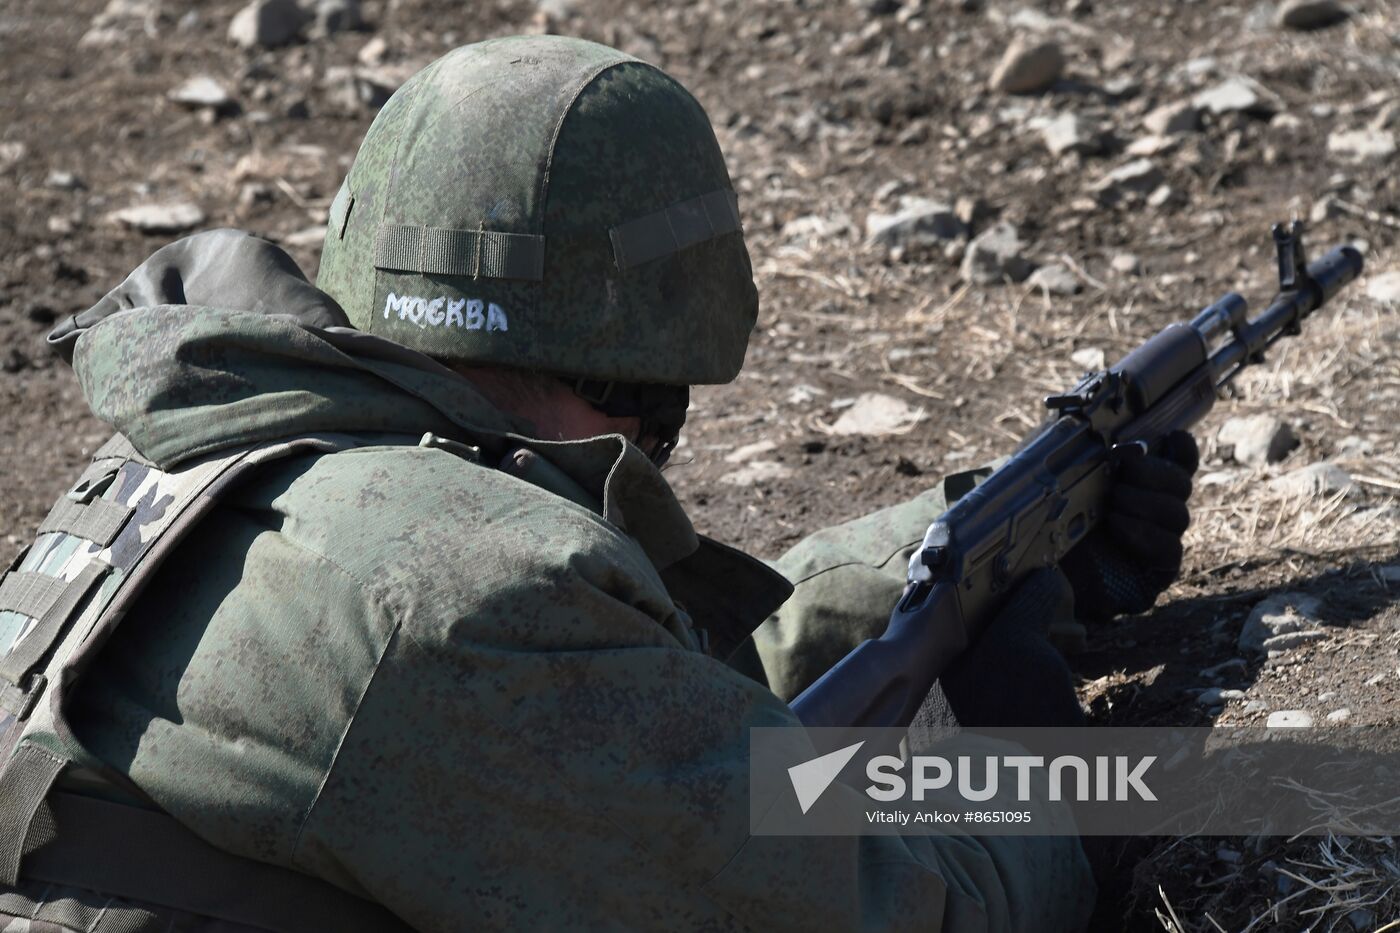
{"points": [[549, 204]]}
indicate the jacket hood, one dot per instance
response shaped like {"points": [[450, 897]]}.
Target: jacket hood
{"points": [[218, 340]]}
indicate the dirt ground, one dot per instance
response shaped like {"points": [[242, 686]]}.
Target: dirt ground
{"points": [[830, 112]]}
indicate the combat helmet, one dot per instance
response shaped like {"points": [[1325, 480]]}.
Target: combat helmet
{"points": [[548, 204]]}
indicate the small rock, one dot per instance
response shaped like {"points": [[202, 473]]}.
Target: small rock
{"points": [[970, 210], [1339, 715], [11, 153], [1237, 95], [1384, 287], [14, 360], [759, 471], [1126, 264], [1324, 208], [373, 52], [1254, 706], [1215, 696], [1281, 614], [1364, 145], [1148, 146], [994, 256], [1160, 196], [1173, 119], [1255, 440], [1028, 67], [1374, 680], [1311, 14], [40, 314], [265, 24], [1056, 279], [1290, 640], [749, 451], [120, 21], [64, 181], [1090, 359], [160, 218], [1289, 719], [919, 222], [332, 16], [1071, 133], [1136, 178], [202, 91], [814, 228], [364, 87], [876, 414], [1317, 479]]}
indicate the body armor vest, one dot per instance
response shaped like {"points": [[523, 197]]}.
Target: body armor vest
{"points": [[72, 860]]}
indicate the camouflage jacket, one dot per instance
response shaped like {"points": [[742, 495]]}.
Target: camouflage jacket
{"points": [[464, 695]]}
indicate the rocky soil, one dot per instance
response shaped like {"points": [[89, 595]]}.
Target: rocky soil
{"points": [[954, 207]]}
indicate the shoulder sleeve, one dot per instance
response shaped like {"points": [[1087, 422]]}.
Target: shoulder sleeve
{"points": [[537, 751], [846, 580]]}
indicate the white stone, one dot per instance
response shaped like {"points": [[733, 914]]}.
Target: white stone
{"points": [[201, 91], [759, 471], [1364, 145], [1090, 359], [1339, 715], [1215, 696], [995, 256], [1070, 133], [1028, 66], [265, 24], [876, 414], [1384, 287], [1289, 719], [63, 181], [1137, 177], [918, 222], [1237, 95], [1255, 440], [1126, 264], [1277, 615], [1057, 279], [1173, 119], [1317, 479], [749, 451], [160, 218]]}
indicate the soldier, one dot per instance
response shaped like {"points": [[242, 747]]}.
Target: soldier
{"points": [[377, 613]]}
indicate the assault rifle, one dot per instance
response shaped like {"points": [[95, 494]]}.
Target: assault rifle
{"points": [[1047, 497]]}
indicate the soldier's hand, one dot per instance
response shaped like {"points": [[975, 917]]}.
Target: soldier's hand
{"points": [[1012, 675], [1135, 552]]}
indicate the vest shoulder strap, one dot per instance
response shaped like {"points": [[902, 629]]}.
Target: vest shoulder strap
{"points": [[59, 605]]}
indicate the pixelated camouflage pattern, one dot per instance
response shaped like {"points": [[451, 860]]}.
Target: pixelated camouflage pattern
{"points": [[563, 139], [476, 702]]}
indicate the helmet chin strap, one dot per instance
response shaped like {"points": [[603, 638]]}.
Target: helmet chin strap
{"points": [[661, 408]]}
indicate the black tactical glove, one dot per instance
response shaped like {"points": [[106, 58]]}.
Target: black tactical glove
{"points": [[1012, 675], [1134, 553]]}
